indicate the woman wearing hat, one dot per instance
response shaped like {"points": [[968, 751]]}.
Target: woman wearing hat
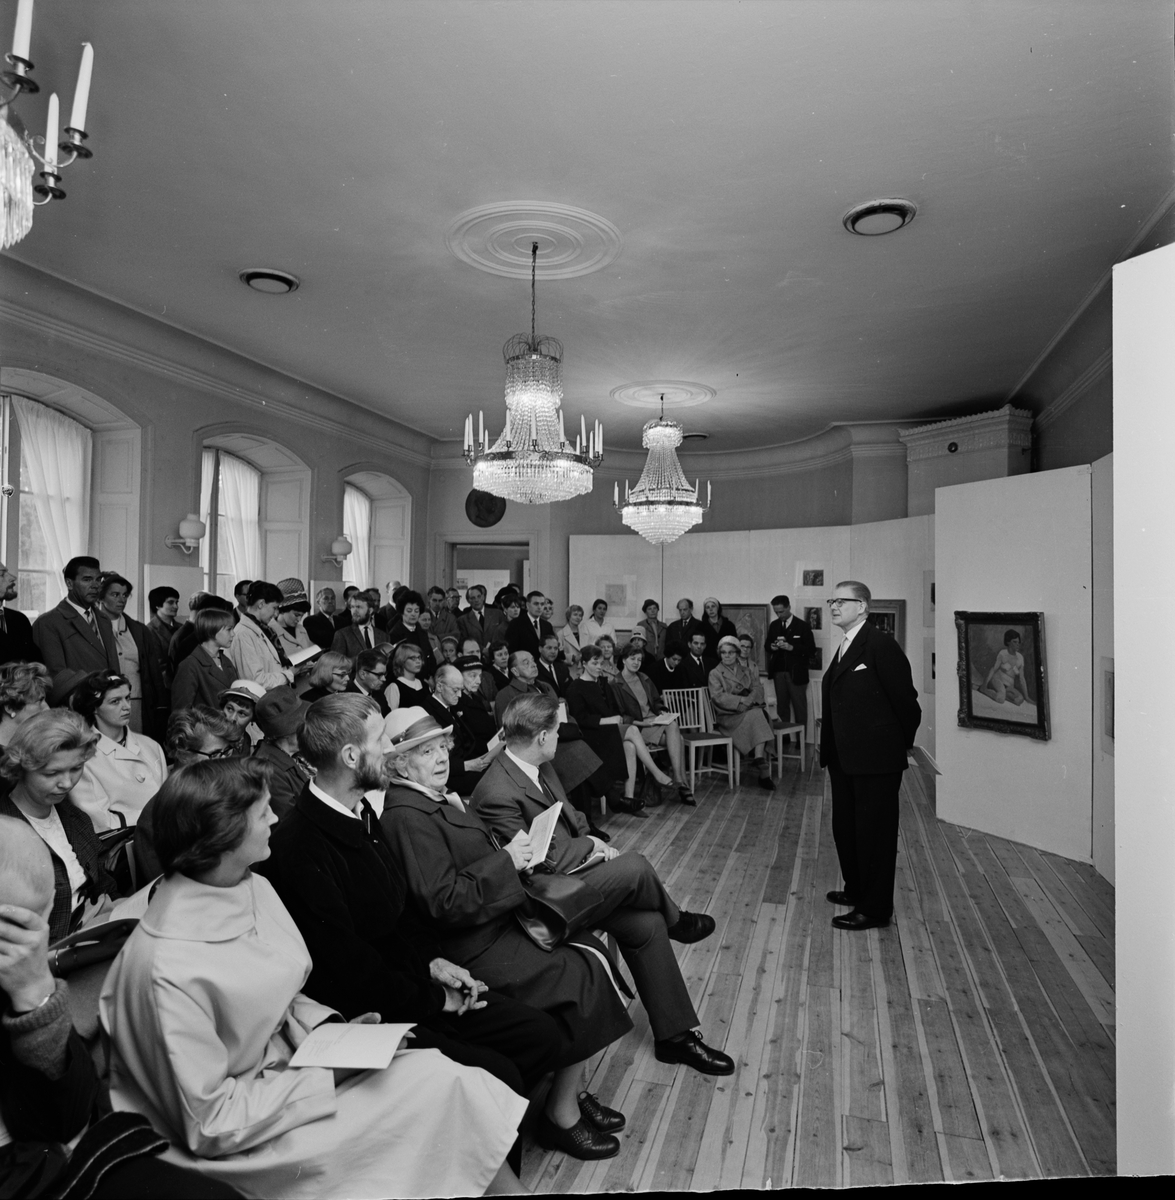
{"points": [[714, 625], [207, 671], [239, 703], [287, 627], [654, 630], [278, 715], [466, 889], [739, 707]]}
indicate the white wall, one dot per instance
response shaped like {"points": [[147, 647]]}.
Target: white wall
{"points": [[1020, 544], [1144, 581], [1103, 659]]}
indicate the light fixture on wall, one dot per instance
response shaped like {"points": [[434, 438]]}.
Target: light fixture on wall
{"points": [[532, 461], [340, 549], [192, 530], [662, 506], [17, 151]]}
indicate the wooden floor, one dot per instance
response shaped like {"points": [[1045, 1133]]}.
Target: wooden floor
{"points": [[972, 1039]]}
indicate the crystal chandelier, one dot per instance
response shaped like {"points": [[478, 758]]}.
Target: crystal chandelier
{"points": [[662, 506], [17, 146], [532, 461]]}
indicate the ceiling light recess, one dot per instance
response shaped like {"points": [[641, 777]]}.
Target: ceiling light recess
{"points": [[269, 280], [875, 217]]}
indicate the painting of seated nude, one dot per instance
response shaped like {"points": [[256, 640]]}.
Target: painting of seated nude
{"points": [[1003, 685]]}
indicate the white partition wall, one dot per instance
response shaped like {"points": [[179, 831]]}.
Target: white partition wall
{"points": [[1144, 657]]}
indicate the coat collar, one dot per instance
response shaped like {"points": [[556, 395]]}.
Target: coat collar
{"points": [[186, 911], [520, 779], [335, 825], [402, 797]]}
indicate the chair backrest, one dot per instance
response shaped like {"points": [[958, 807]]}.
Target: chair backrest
{"points": [[707, 707], [688, 706]]}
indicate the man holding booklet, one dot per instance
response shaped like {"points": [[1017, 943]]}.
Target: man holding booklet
{"points": [[521, 788]]}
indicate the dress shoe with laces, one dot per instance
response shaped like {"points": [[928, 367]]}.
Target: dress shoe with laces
{"points": [[582, 1140], [692, 927], [839, 898], [691, 1051], [858, 920], [605, 1119]]}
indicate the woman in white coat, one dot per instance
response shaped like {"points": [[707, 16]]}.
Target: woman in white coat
{"points": [[128, 768], [204, 1010]]}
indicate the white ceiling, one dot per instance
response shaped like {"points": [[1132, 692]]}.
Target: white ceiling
{"points": [[723, 140]]}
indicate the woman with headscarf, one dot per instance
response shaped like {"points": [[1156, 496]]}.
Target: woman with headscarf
{"points": [[740, 708], [715, 626]]}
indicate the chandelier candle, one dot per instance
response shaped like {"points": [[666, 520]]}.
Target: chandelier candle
{"points": [[81, 95]]}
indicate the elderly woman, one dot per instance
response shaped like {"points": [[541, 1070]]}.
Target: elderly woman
{"points": [[204, 1009], [23, 688], [609, 665], [640, 701], [570, 636], [138, 656], [654, 630], [405, 690], [467, 888], [592, 701], [330, 674], [715, 626], [128, 768], [739, 707], [596, 626], [42, 765], [208, 670]]}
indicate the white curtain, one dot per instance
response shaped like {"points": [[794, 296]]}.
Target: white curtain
{"points": [[56, 451], [357, 527], [238, 549], [207, 474]]}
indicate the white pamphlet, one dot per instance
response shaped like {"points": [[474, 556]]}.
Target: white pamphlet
{"points": [[304, 655], [350, 1047], [665, 718], [494, 742], [562, 712], [541, 830]]}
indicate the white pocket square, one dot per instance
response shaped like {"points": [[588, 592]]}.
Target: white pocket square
{"points": [[859, 667]]}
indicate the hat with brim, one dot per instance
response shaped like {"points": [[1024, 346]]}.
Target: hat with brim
{"points": [[64, 683], [243, 689], [294, 598], [469, 662], [280, 712], [409, 727], [730, 641]]}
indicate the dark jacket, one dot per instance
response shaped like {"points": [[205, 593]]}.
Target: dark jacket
{"points": [[353, 689], [16, 640], [347, 895], [630, 706], [287, 778], [521, 635], [320, 629], [678, 631], [183, 642], [697, 676], [556, 675], [870, 709], [472, 727], [490, 628], [79, 829], [714, 636], [588, 703], [794, 662], [349, 640], [417, 637], [156, 701], [67, 643], [198, 680]]}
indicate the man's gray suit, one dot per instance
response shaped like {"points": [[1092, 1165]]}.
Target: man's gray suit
{"points": [[69, 644]]}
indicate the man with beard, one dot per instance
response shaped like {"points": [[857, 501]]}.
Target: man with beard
{"points": [[333, 870]]}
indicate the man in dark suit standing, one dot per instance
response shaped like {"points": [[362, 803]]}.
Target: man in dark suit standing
{"points": [[551, 670], [685, 626], [697, 665], [483, 625], [74, 636], [790, 644], [16, 634], [527, 630], [870, 714], [320, 625]]}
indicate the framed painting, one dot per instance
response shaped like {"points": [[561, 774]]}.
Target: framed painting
{"points": [[814, 616], [890, 617], [752, 619], [1003, 681], [809, 577]]}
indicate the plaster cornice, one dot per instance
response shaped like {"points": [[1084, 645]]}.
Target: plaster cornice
{"points": [[1096, 369], [998, 430]]}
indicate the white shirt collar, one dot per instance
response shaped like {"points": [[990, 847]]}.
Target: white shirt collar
{"points": [[331, 802], [84, 611], [849, 635], [528, 769]]}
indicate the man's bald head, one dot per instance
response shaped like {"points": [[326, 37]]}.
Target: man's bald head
{"points": [[26, 869], [449, 675]]}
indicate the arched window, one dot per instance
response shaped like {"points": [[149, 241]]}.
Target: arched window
{"points": [[388, 541]]}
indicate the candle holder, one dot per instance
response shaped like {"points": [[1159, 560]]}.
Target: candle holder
{"points": [[17, 80]]}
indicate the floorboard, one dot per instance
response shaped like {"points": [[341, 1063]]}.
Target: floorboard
{"points": [[972, 1039]]}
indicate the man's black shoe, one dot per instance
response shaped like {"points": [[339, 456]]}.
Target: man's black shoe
{"points": [[858, 920], [765, 783], [691, 1051], [692, 927], [626, 804], [606, 1120], [840, 898], [582, 1140]]}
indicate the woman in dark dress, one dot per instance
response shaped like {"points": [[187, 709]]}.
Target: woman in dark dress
{"points": [[715, 626], [593, 703], [405, 690], [497, 658]]}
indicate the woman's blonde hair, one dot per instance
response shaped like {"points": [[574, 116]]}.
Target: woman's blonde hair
{"points": [[43, 736], [324, 670], [23, 683]]}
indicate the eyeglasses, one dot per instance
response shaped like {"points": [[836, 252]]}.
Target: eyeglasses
{"points": [[223, 752], [343, 674], [837, 601]]}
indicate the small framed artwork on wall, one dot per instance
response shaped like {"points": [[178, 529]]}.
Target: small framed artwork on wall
{"points": [[890, 617], [814, 617], [1003, 682], [810, 577]]}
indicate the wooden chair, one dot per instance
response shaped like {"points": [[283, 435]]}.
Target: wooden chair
{"points": [[782, 731], [698, 732]]}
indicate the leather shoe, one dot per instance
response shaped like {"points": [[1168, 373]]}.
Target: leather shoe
{"points": [[858, 920], [582, 1140], [692, 927], [598, 833], [691, 1051], [840, 898], [686, 796], [606, 1120], [634, 808], [766, 784]]}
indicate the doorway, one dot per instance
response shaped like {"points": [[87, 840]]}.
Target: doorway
{"points": [[493, 566]]}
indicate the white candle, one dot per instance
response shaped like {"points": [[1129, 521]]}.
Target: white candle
{"points": [[707, 493], [616, 494], [81, 95], [51, 134], [562, 433], [465, 434], [583, 428], [534, 426], [600, 441], [577, 449], [23, 33], [697, 484], [481, 434]]}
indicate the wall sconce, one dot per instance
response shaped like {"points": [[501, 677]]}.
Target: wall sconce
{"points": [[340, 548], [192, 529]]}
